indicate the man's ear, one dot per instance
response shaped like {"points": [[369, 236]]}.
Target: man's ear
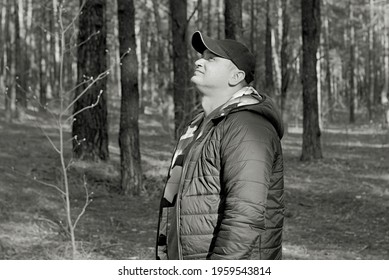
{"points": [[237, 77]]}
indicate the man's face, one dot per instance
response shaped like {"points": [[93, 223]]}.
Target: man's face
{"points": [[212, 71]]}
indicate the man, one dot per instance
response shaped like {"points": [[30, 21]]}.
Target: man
{"points": [[224, 195]]}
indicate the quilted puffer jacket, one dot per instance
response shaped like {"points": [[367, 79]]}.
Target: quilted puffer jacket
{"points": [[230, 197]]}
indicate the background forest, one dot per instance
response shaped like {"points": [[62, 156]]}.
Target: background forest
{"points": [[95, 92]]}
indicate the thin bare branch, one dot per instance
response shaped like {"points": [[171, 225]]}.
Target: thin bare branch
{"points": [[51, 142], [77, 86], [50, 185], [70, 163], [86, 204], [99, 77], [194, 11], [85, 108], [75, 18], [81, 43]]}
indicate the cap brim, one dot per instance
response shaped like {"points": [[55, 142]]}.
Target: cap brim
{"points": [[202, 42]]}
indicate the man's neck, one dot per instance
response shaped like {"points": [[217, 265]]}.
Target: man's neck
{"points": [[210, 102]]}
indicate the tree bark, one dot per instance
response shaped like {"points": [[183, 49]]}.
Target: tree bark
{"points": [[200, 14], [233, 19], [276, 62], [352, 88], [220, 21], [385, 89], [90, 127], [269, 79], [252, 25], [130, 159], [370, 70], [209, 18], [3, 10], [10, 93], [161, 67], [20, 83], [41, 61], [330, 101], [285, 54], [183, 101], [310, 21]]}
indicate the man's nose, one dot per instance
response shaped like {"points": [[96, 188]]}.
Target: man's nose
{"points": [[199, 62]]}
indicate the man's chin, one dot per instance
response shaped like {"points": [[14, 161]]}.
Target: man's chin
{"points": [[194, 79]]}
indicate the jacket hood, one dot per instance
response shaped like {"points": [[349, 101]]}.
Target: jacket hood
{"points": [[257, 103]]}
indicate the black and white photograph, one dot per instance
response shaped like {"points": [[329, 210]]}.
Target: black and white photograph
{"points": [[194, 130]]}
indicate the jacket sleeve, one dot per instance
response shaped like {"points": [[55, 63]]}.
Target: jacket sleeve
{"points": [[247, 154]]}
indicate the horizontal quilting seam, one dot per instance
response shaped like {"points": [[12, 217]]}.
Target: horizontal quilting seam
{"points": [[246, 181], [250, 159], [208, 158], [245, 141], [202, 194], [229, 240], [200, 214], [203, 176], [246, 201], [198, 234], [192, 256]]}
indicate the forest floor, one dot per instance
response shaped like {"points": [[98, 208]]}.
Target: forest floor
{"points": [[336, 208]]}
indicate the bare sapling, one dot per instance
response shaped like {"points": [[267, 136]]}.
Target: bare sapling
{"points": [[63, 121]]}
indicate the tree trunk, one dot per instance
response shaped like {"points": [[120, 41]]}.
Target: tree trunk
{"points": [[68, 67], [183, 101], [144, 77], [285, 54], [41, 61], [385, 89], [275, 61], [209, 18], [252, 25], [54, 70], [10, 94], [220, 27], [200, 14], [370, 70], [90, 127], [319, 74], [130, 160], [310, 21], [3, 10], [29, 52], [233, 19], [20, 83], [352, 89], [162, 69], [269, 79], [330, 102], [113, 47]]}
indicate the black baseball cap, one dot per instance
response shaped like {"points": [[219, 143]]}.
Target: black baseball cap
{"points": [[238, 53]]}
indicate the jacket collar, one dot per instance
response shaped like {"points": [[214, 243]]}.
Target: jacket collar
{"points": [[249, 99], [243, 97]]}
